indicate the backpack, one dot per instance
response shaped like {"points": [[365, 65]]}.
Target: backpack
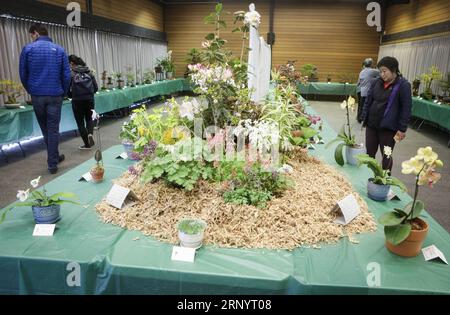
{"points": [[82, 84]]}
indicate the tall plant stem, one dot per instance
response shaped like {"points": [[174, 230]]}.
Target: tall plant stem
{"points": [[348, 122]]}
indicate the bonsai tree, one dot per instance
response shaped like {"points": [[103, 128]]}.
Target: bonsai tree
{"points": [[310, 71], [427, 78], [399, 223], [11, 91]]}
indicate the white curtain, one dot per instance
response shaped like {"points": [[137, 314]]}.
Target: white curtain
{"points": [[101, 51], [417, 57]]}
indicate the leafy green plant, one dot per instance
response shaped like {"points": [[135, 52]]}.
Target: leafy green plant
{"points": [[184, 174], [245, 196], [32, 197], [445, 85], [309, 70], [148, 76], [380, 176], [191, 226], [399, 223]]}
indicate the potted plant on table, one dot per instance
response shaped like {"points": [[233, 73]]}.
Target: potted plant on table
{"points": [[348, 139], [167, 65], [404, 230], [379, 185], [427, 79], [11, 91], [98, 171], [191, 232], [46, 209], [148, 76], [120, 82]]}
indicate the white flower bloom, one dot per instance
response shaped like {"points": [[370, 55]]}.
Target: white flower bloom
{"points": [[252, 18], [186, 110], [285, 169], [387, 151], [95, 116], [35, 182], [343, 104], [22, 195], [133, 116]]}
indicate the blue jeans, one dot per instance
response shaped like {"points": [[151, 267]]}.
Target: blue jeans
{"points": [[48, 114]]}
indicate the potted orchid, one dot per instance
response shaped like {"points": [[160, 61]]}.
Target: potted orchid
{"points": [[97, 171], [379, 185], [404, 230], [347, 138], [46, 209]]}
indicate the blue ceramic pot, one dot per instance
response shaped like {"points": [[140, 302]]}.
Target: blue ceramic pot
{"points": [[350, 153], [377, 192], [46, 215], [129, 149]]}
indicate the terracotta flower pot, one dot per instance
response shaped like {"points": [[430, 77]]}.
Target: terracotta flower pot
{"points": [[413, 244], [297, 133], [97, 174]]}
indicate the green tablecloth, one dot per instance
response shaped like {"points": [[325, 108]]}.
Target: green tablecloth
{"points": [[112, 262], [19, 124], [323, 88], [427, 110]]}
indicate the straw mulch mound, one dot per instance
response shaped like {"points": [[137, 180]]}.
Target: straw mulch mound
{"points": [[301, 217]]}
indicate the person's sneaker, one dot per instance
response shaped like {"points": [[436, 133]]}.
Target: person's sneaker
{"points": [[84, 147], [61, 158], [53, 170], [91, 140]]}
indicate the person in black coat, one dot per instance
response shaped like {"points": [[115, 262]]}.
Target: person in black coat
{"points": [[83, 86], [387, 110]]}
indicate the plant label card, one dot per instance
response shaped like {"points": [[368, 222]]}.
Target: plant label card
{"points": [[86, 177], [122, 155], [118, 194], [392, 196], [348, 209], [432, 252], [44, 229], [185, 254]]}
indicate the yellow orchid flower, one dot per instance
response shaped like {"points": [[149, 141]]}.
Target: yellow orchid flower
{"points": [[351, 101], [141, 131], [438, 163], [427, 154], [413, 165]]}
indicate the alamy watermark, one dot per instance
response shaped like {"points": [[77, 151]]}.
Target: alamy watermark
{"points": [[73, 279], [74, 17], [373, 278], [374, 17]]}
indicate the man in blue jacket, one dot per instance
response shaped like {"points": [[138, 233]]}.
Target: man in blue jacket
{"points": [[45, 74]]}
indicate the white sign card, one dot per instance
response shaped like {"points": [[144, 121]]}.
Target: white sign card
{"points": [[118, 195], [86, 177], [432, 252], [44, 229], [348, 209], [122, 155], [392, 196], [185, 254]]}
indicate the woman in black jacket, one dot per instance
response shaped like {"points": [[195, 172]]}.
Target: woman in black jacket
{"points": [[83, 86], [387, 110]]}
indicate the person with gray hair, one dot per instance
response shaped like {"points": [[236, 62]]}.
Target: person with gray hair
{"points": [[366, 76]]}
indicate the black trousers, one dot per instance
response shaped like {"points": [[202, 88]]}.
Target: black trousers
{"points": [[82, 110], [361, 100], [378, 138]]}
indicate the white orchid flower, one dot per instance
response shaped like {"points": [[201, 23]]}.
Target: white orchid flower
{"points": [[387, 151], [35, 182], [22, 195], [343, 104], [95, 116]]}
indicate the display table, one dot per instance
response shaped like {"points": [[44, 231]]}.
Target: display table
{"points": [[117, 261], [432, 112], [324, 88], [20, 124]]}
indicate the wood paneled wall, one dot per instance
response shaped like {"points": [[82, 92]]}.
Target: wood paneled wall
{"points": [[143, 13], [418, 13], [333, 36]]}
